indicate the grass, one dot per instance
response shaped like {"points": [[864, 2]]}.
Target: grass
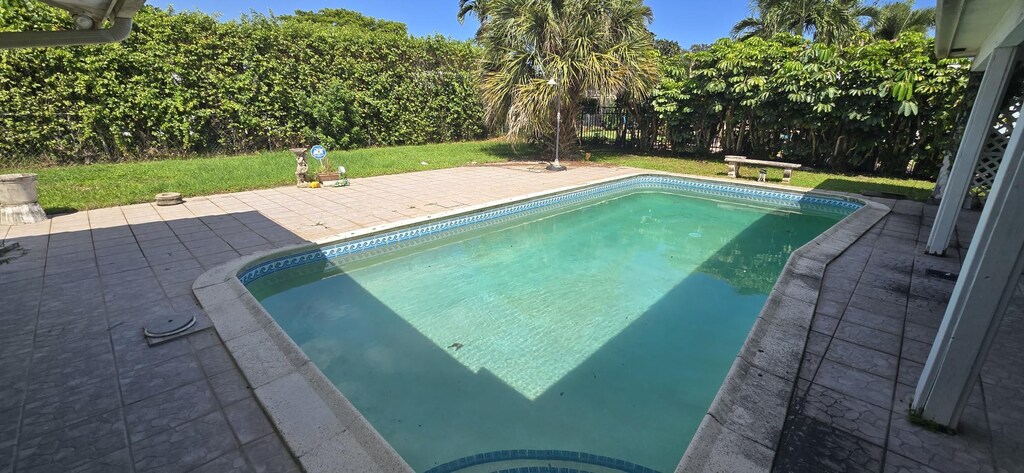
{"points": [[70, 188], [64, 189], [714, 166]]}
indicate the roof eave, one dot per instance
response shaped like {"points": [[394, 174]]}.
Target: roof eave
{"points": [[947, 19]]}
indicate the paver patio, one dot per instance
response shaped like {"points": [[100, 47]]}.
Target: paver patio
{"points": [[878, 312], [80, 390]]}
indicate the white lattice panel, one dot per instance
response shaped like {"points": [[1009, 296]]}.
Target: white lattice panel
{"points": [[991, 156], [995, 146]]}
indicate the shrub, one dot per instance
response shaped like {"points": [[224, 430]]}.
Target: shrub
{"points": [[874, 106], [184, 83]]}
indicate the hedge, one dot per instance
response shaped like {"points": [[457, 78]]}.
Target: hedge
{"points": [[184, 83], [875, 106]]}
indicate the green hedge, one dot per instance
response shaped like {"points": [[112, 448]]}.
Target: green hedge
{"points": [[185, 83], [869, 107]]}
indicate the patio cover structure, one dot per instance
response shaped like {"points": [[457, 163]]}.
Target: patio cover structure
{"points": [[992, 32]]}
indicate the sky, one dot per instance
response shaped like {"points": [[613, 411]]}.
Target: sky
{"points": [[684, 21]]}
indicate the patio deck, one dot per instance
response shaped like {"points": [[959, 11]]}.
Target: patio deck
{"points": [[878, 312], [81, 391]]}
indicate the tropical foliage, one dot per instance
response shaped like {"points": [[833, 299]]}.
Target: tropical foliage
{"points": [[809, 83], [185, 83], [891, 20], [472, 7], [587, 48], [873, 107], [828, 21], [834, 21]]}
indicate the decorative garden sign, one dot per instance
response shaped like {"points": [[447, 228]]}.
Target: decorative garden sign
{"points": [[318, 152]]}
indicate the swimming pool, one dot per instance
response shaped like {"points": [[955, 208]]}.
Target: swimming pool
{"points": [[599, 321]]}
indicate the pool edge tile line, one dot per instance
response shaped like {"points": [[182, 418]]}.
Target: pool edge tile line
{"points": [[325, 430], [466, 221], [727, 439], [318, 424], [539, 455]]}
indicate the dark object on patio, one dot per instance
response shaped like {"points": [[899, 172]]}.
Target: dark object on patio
{"points": [[886, 195], [941, 274]]}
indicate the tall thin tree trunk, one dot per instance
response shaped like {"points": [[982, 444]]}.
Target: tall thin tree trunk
{"points": [[742, 135], [814, 145], [725, 136]]}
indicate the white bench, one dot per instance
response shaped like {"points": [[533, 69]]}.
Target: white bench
{"points": [[735, 162]]}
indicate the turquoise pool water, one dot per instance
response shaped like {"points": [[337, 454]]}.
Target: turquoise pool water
{"points": [[604, 327]]}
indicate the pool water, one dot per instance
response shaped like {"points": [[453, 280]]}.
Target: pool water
{"points": [[606, 327]]}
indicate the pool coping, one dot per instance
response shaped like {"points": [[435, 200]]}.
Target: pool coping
{"points": [[326, 433]]}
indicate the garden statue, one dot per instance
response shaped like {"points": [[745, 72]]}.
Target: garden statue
{"points": [[301, 168]]}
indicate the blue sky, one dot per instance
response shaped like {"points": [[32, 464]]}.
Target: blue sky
{"points": [[685, 21]]}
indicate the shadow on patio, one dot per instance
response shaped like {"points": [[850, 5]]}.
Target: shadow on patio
{"points": [[876, 318], [80, 389]]}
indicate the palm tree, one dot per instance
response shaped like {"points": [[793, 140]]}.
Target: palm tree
{"points": [[476, 7], [829, 21], [585, 47], [896, 18], [751, 26]]}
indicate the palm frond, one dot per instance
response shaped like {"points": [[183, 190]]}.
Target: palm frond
{"points": [[589, 47]]}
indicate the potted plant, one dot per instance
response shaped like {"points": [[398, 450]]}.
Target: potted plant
{"points": [[326, 175]]}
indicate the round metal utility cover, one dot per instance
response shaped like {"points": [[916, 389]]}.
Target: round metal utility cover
{"points": [[171, 325], [168, 198]]}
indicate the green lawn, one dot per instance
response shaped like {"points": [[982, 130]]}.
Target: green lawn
{"points": [[715, 167], [104, 185], [94, 186]]}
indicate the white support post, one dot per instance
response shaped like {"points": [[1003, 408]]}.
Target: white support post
{"points": [[979, 125], [986, 284]]}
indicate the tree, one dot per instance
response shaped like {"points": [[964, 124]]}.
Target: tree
{"points": [[872, 108], [668, 48], [342, 18], [596, 48], [893, 19], [827, 21], [475, 7]]}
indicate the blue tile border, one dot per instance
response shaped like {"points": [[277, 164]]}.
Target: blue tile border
{"points": [[448, 226], [540, 455], [540, 469]]}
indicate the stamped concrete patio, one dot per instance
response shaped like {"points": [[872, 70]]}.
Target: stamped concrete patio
{"points": [[80, 390], [877, 315]]}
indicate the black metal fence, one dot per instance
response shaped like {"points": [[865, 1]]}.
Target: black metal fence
{"points": [[623, 127]]}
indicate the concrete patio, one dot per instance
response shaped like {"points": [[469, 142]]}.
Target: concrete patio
{"points": [[877, 315], [80, 390]]}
